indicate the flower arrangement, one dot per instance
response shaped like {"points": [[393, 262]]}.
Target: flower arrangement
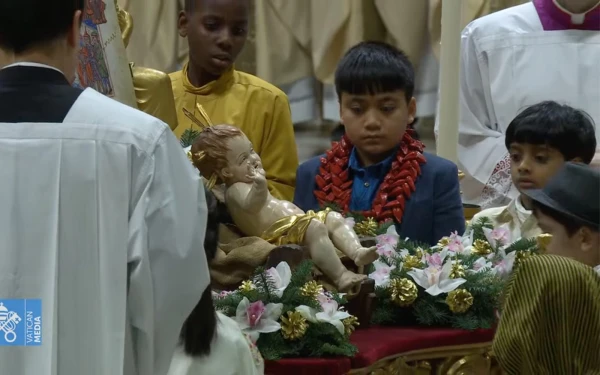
{"points": [[457, 283], [287, 314]]}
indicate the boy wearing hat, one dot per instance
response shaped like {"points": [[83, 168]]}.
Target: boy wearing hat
{"points": [[568, 208]]}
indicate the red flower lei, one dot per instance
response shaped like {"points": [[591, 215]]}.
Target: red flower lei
{"points": [[334, 185]]}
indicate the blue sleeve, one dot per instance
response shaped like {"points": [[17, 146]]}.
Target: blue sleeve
{"points": [[448, 213]]}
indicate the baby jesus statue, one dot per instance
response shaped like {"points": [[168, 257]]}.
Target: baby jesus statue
{"points": [[224, 153]]}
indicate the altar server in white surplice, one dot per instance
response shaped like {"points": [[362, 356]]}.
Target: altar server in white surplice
{"points": [[512, 59], [102, 216]]}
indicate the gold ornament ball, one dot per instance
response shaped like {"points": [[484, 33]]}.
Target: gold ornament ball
{"points": [[411, 261], [445, 241], [367, 227], [247, 286], [350, 324], [459, 301], [481, 247], [457, 271], [311, 289], [404, 292], [293, 326]]}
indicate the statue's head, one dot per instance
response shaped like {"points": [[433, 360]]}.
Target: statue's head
{"points": [[224, 151]]}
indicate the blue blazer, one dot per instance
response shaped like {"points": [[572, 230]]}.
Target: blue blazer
{"points": [[434, 209]]}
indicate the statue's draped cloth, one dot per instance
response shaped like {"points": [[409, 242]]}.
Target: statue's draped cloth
{"points": [[292, 229]]}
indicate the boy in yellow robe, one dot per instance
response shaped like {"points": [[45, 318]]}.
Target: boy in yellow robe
{"points": [[216, 31]]}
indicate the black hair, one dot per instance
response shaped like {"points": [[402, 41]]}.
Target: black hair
{"points": [[374, 67], [200, 327], [571, 131], [26, 24], [570, 224]]}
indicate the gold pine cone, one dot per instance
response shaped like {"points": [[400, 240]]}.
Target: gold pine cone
{"points": [[481, 247], [404, 292], [293, 326], [411, 261], [457, 271], [350, 324], [311, 289], [459, 301], [366, 228], [247, 286]]}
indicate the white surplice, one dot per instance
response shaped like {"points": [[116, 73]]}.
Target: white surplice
{"points": [[509, 62], [102, 217]]}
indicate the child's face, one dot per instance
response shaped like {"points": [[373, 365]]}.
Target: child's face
{"points": [[216, 32], [583, 245], [241, 159], [533, 165], [376, 123]]}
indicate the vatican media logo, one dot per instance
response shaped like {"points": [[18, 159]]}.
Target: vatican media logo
{"points": [[20, 322]]}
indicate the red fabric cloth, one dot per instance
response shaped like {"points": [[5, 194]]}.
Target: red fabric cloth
{"points": [[309, 366], [376, 343]]}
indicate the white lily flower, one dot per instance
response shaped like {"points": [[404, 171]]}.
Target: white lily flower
{"points": [[403, 253], [481, 265], [307, 313], [436, 259], [436, 281], [281, 276], [331, 313], [505, 265], [498, 237], [256, 318], [382, 273], [386, 243]]}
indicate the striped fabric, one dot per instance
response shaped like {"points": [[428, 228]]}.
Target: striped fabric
{"points": [[551, 319]]}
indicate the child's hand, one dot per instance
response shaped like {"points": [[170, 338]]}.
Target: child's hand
{"points": [[257, 175]]}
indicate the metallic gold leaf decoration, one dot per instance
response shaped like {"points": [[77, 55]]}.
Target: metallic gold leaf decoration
{"points": [[350, 324], [366, 228], [247, 286]]}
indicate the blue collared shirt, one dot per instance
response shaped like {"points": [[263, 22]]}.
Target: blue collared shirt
{"points": [[366, 181]]}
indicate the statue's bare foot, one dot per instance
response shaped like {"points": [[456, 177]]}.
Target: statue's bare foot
{"points": [[366, 255], [348, 280]]}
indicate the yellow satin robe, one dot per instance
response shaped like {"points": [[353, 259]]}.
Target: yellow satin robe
{"points": [[259, 109]]}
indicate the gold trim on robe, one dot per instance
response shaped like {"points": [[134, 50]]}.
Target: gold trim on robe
{"points": [[291, 229]]}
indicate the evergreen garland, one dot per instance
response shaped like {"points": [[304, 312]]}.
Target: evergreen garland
{"points": [[320, 339], [483, 286]]}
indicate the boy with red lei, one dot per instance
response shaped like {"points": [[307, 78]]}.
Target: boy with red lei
{"points": [[378, 168]]}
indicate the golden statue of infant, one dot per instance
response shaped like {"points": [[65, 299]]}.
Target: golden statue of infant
{"points": [[223, 153]]}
